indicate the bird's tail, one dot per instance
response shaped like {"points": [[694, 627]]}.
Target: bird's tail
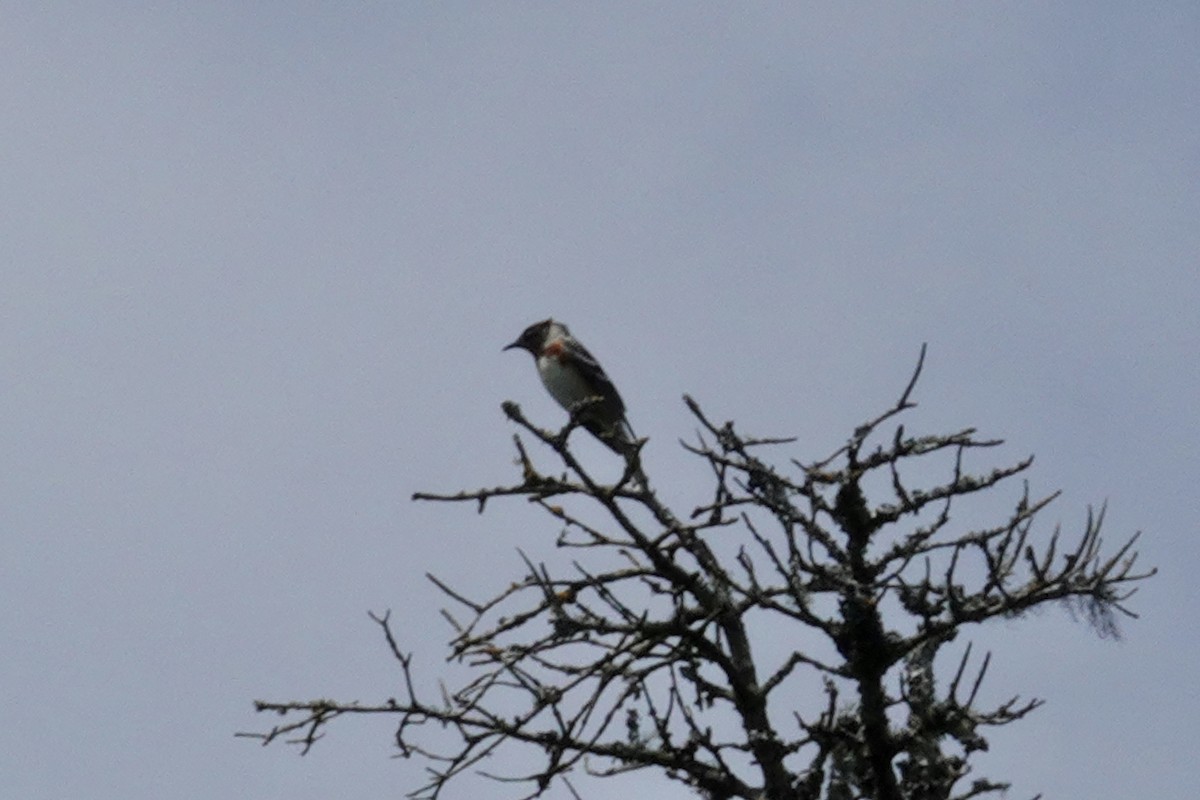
{"points": [[630, 448], [619, 437]]}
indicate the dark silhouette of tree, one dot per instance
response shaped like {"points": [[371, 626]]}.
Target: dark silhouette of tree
{"points": [[782, 641]]}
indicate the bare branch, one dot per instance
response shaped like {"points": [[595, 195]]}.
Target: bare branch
{"points": [[778, 644]]}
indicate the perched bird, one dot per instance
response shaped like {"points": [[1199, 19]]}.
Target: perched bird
{"points": [[572, 376]]}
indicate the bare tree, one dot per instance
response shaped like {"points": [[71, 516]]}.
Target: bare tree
{"points": [[780, 642]]}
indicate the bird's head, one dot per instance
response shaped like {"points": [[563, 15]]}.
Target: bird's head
{"points": [[535, 336]]}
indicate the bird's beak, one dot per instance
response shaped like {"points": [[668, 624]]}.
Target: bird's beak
{"points": [[510, 346]]}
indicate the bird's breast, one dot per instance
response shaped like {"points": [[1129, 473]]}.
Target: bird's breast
{"points": [[564, 383]]}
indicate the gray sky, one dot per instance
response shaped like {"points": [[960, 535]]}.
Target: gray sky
{"points": [[259, 261]]}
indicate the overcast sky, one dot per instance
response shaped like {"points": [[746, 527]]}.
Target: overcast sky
{"points": [[259, 261]]}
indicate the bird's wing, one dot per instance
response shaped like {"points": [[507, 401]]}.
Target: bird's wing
{"points": [[594, 374]]}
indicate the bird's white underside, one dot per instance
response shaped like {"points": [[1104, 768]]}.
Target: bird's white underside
{"points": [[564, 385]]}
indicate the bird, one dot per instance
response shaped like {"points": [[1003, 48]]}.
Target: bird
{"points": [[573, 377]]}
